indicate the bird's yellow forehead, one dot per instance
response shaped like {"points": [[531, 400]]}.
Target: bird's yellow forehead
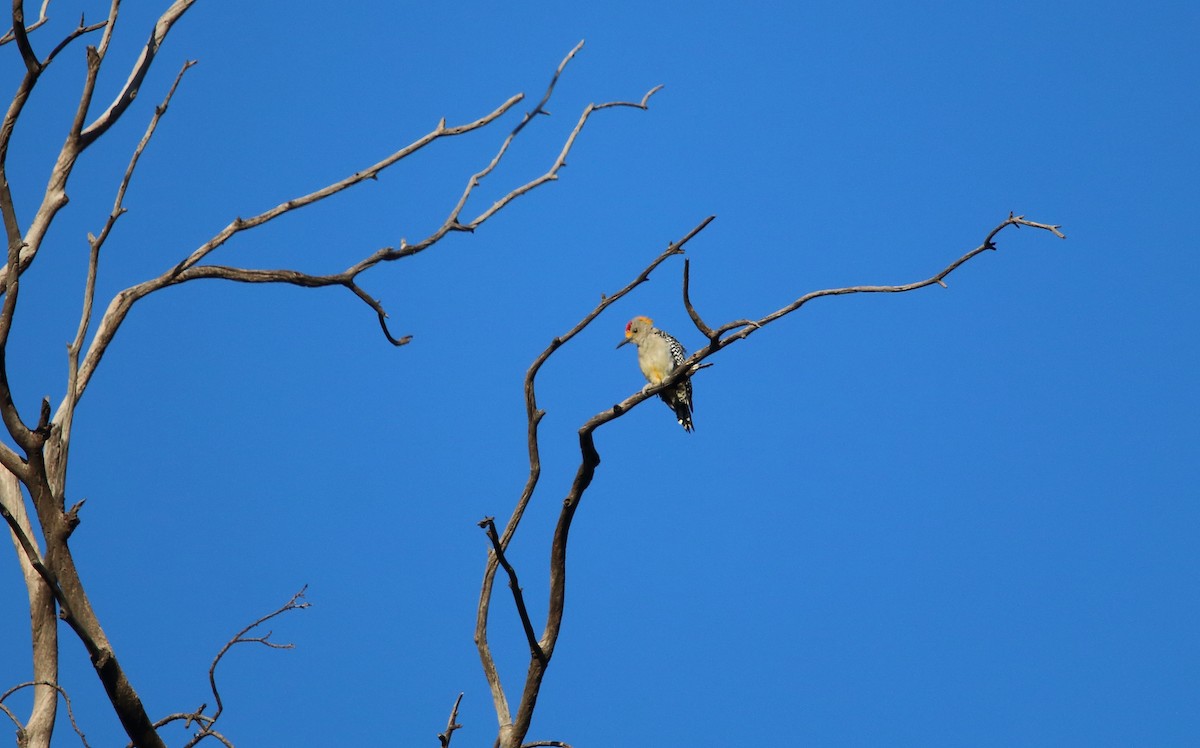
{"points": [[643, 321]]}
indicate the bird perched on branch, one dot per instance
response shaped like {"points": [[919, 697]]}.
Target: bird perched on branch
{"points": [[658, 356]]}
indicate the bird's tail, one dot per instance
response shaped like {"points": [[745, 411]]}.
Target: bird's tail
{"points": [[683, 412]]}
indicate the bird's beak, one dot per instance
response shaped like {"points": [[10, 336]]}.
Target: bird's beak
{"points": [[623, 342]]}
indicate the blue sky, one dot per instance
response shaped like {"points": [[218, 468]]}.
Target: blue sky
{"points": [[962, 516]]}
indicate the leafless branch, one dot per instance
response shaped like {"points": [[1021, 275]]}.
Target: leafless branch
{"points": [[95, 243], [559, 163], [190, 269], [206, 721], [513, 731], [43, 610], [42, 469], [22, 38], [551, 743], [78, 138], [74, 34], [749, 327], [140, 67], [540, 107], [451, 724], [203, 720], [10, 35], [23, 539], [48, 684], [535, 650], [704, 329], [511, 734]]}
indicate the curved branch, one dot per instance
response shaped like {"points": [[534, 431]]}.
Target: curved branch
{"points": [[540, 107], [988, 244], [207, 721], [704, 329], [11, 34], [590, 457], [46, 684], [513, 732], [78, 137], [21, 35], [559, 163], [190, 269], [451, 724], [371, 172], [42, 610], [63, 436], [535, 649], [138, 74], [203, 720], [75, 33]]}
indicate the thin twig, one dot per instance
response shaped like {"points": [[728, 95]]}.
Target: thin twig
{"points": [[704, 329], [42, 18], [61, 691], [590, 457], [75, 33], [141, 66], [95, 243], [202, 720], [540, 107], [190, 269], [489, 526], [451, 724], [20, 34], [207, 721], [534, 415]]}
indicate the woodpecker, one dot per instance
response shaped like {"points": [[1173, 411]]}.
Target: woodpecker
{"points": [[658, 356]]}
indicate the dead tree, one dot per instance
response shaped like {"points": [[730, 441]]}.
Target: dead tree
{"points": [[33, 463], [514, 724]]}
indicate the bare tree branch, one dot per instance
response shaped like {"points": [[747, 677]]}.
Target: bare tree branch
{"points": [[750, 327], [205, 721], [43, 621], [22, 38], [535, 650], [130, 90], [42, 468], [23, 733], [451, 724], [11, 34], [190, 269], [63, 437], [75, 33], [704, 329], [511, 734], [200, 719], [552, 174], [78, 138]]}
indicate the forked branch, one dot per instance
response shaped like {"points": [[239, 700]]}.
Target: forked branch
{"points": [[11, 34], [47, 684], [206, 722], [535, 649], [451, 724], [512, 733], [190, 268], [141, 66]]}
